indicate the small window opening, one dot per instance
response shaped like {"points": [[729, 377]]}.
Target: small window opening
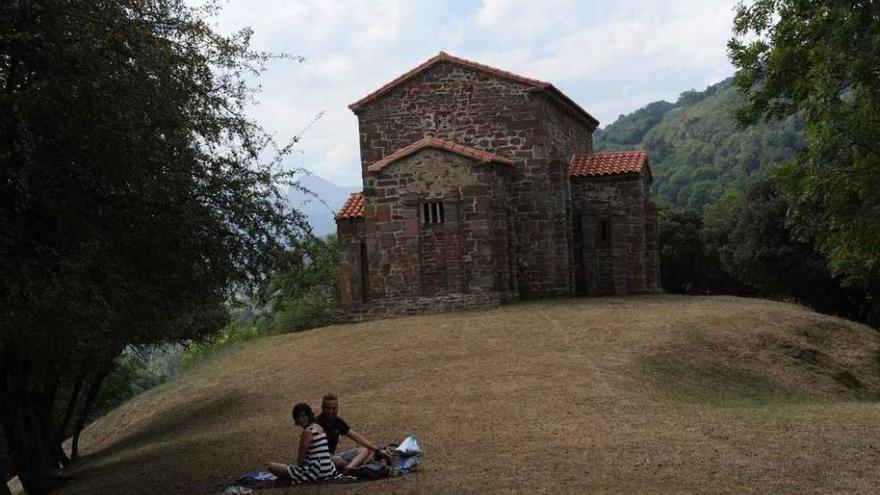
{"points": [[603, 236], [443, 120], [433, 212]]}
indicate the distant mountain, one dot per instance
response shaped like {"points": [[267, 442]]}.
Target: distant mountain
{"points": [[696, 151], [321, 208]]}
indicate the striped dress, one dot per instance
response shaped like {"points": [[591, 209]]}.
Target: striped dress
{"points": [[317, 465]]}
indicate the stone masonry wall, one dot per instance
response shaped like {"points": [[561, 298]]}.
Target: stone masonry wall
{"points": [[350, 233], [511, 119], [542, 194], [616, 257], [508, 233], [652, 248], [411, 261], [456, 104]]}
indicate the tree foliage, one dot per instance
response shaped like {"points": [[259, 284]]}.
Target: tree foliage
{"points": [[306, 293], [821, 60], [696, 151], [748, 231], [135, 197], [757, 247], [686, 266], [302, 296]]}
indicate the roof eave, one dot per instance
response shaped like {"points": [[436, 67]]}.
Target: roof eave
{"points": [[537, 85], [441, 145], [600, 176], [568, 102]]}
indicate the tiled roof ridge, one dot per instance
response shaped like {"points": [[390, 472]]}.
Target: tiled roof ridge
{"points": [[353, 207], [443, 56], [433, 142], [440, 57], [608, 163], [615, 152]]}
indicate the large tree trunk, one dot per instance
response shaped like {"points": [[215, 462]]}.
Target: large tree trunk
{"points": [[59, 458], [71, 403], [60, 433], [91, 396], [4, 465], [23, 426]]}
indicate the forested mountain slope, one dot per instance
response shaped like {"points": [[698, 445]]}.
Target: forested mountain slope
{"points": [[697, 153]]}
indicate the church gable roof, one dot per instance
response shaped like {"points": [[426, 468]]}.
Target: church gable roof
{"points": [[445, 57], [608, 163], [432, 142], [353, 207]]}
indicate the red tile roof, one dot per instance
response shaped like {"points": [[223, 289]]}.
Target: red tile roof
{"points": [[445, 57], [609, 163], [353, 207], [432, 142]]}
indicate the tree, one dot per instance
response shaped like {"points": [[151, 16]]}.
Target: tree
{"points": [[306, 294], [757, 247], [821, 60], [687, 267], [135, 198]]}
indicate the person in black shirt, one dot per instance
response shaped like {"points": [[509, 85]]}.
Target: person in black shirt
{"points": [[334, 426]]}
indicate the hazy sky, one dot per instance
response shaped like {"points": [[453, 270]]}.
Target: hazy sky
{"points": [[610, 57]]}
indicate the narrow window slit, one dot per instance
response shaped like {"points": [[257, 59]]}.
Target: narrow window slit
{"points": [[432, 212]]}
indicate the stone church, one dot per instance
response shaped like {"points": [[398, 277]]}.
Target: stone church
{"points": [[480, 187]]}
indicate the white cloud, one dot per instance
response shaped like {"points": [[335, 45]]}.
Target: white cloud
{"points": [[610, 57]]}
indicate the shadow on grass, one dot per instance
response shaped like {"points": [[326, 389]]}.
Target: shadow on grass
{"points": [[177, 427], [715, 384], [172, 467]]}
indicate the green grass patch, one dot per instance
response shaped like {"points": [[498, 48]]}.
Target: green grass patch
{"points": [[715, 384]]}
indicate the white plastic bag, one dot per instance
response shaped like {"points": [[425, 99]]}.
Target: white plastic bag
{"points": [[406, 457]]}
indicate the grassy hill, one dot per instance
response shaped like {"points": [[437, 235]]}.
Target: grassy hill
{"points": [[697, 152], [653, 394]]}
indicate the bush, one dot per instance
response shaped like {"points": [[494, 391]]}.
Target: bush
{"points": [[232, 333], [756, 246], [307, 294], [686, 266]]}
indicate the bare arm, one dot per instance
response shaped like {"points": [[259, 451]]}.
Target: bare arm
{"points": [[304, 440], [357, 437]]}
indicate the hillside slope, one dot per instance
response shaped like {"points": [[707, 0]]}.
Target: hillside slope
{"points": [[653, 394], [697, 153]]}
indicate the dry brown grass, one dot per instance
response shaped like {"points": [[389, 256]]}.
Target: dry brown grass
{"points": [[654, 394]]}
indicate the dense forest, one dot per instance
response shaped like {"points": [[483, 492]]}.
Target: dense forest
{"points": [[697, 152], [724, 219]]}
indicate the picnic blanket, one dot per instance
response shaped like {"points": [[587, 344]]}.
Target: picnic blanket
{"points": [[264, 480], [406, 458]]}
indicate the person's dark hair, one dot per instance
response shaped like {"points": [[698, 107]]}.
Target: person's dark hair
{"points": [[303, 408], [328, 397]]}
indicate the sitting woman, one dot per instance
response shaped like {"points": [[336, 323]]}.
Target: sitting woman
{"points": [[313, 462]]}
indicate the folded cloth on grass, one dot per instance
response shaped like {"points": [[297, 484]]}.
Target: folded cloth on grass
{"points": [[256, 480], [264, 480], [257, 477]]}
